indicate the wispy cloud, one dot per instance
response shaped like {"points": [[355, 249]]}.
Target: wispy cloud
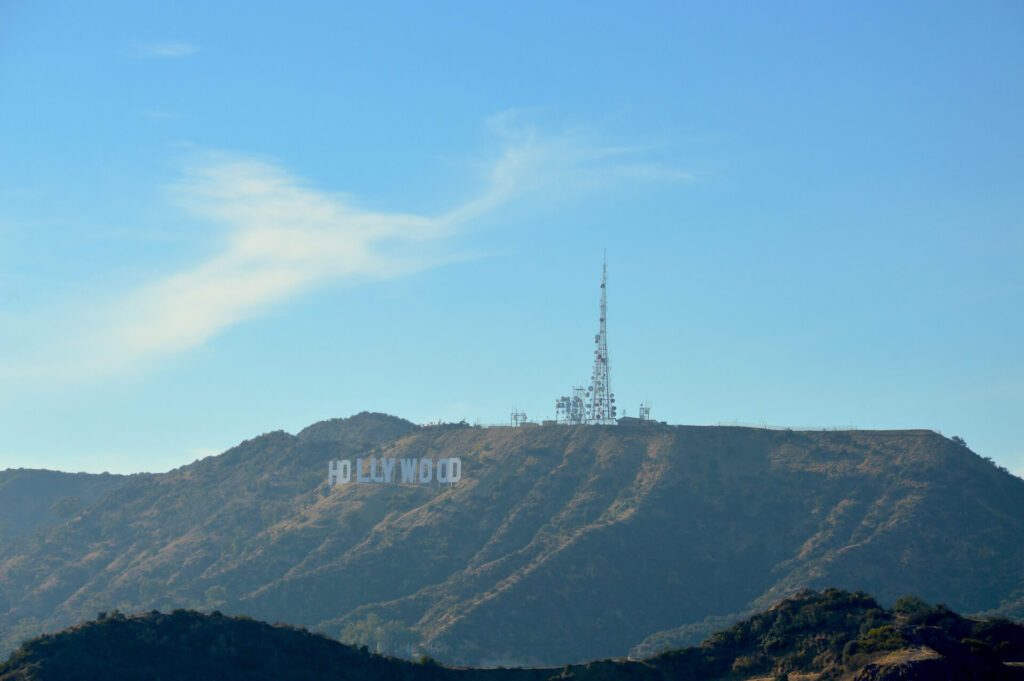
{"points": [[277, 236], [281, 237], [166, 50]]}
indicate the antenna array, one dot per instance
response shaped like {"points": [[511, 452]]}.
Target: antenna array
{"points": [[595, 404]]}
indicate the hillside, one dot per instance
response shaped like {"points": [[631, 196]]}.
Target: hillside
{"points": [[819, 636], [33, 499], [561, 544]]}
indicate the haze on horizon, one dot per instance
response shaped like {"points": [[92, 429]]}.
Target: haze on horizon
{"points": [[217, 221]]}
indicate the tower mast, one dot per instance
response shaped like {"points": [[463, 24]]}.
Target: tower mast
{"points": [[601, 409]]}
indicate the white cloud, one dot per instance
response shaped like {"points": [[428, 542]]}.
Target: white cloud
{"points": [[167, 50], [280, 238], [276, 237]]}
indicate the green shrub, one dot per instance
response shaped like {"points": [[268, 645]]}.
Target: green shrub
{"points": [[879, 639]]}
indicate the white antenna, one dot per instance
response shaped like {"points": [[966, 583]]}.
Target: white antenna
{"points": [[594, 404], [601, 409]]}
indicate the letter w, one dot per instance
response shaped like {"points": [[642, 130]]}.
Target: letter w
{"points": [[408, 471]]}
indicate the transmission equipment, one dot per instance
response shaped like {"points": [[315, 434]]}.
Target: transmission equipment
{"points": [[595, 404]]}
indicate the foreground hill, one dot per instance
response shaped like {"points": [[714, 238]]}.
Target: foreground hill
{"points": [[830, 635], [560, 544]]}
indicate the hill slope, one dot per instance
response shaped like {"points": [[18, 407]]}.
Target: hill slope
{"points": [[560, 544], [823, 636], [32, 499]]}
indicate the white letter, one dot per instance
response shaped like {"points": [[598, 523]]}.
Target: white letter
{"points": [[442, 470], [408, 470], [374, 475], [426, 470], [455, 472], [360, 474], [389, 469], [346, 471]]}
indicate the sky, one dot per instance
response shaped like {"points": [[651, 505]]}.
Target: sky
{"points": [[223, 219]]}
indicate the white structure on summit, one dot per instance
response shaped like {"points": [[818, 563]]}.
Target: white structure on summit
{"points": [[595, 404], [601, 410], [393, 470]]}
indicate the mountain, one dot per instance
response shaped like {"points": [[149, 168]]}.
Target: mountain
{"points": [[34, 499], [559, 544], [829, 635]]}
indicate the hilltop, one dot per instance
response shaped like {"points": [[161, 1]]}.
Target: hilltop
{"points": [[821, 636], [561, 544]]}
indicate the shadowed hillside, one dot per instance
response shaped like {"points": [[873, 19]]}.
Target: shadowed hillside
{"points": [[33, 499], [561, 544], [830, 635]]}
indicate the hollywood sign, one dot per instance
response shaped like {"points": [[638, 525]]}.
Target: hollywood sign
{"points": [[403, 471]]}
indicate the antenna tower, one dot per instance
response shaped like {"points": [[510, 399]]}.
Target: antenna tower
{"points": [[601, 406]]}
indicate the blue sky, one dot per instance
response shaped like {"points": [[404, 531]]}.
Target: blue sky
{"points": [[220, 219]]}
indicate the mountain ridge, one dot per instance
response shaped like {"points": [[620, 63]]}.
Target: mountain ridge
{"points": [[31, 498], [670, 525]]}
